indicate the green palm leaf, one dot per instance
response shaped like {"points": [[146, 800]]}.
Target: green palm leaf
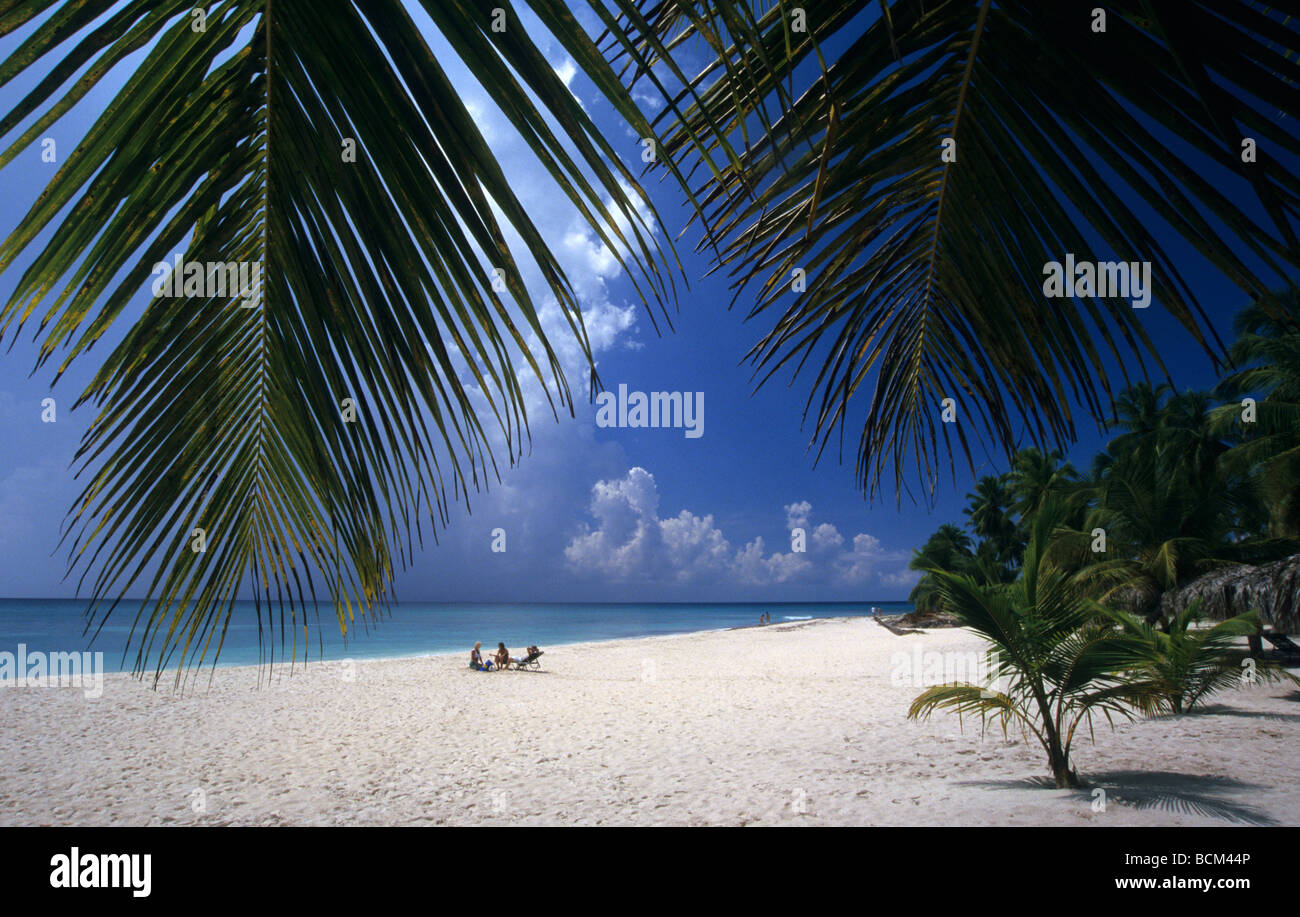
{"points": [[924, 277], [378, 286]]}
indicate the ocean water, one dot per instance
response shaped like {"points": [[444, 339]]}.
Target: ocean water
{"points": [[408, 629]]}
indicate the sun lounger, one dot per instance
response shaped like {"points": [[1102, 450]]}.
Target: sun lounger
{"points": [[1283, 645], [530, 661]]}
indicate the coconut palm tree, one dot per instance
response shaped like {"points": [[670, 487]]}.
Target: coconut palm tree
{"points": [[1189, 445], [1268, 350], [949, 548], [1137, 417], [1037, 476], [1060, 660], [1169, 506], [989, 511], [946, 549]]}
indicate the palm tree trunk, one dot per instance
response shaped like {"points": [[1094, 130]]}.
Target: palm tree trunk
{"points": [[1064, 775], [1057, 758]]}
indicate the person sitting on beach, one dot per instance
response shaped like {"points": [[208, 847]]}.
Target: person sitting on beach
{"points": [[476, 659], [502, 657]]}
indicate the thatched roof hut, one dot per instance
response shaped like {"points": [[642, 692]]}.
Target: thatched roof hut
{"points": [[1271, 589]]}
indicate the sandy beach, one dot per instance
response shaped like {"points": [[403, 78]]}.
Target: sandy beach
{"points": [[789, 724]]}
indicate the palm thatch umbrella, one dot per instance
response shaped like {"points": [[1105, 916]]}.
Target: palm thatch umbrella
{"points": [[1273, 590]]}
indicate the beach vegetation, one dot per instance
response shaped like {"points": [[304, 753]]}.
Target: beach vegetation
{"points": [[1056, 663], [1184, 664]]}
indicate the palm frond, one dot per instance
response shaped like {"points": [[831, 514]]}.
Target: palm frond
{"points": [[924, 277], [379, 285]]}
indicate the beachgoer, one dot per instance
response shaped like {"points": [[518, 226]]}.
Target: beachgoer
{"points": [[502, 657], [476, 659]]}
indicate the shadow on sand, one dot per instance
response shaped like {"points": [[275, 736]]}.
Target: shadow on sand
{"points": [[1165, 791], [1222, 710]]}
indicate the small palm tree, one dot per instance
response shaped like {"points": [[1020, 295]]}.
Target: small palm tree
{"points": [[1061, 661], [1187, 664]]}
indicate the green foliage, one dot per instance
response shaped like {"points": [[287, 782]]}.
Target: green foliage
{"points": [[923, 275], [947, 549], [226, 143], [1267, 349], [1061, 662], [1183, 487], [1185, 664]]}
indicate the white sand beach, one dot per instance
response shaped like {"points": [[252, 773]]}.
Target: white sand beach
{"points": [[789, 724]]}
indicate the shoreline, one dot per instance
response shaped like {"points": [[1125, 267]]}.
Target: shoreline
{"points": [[317, 661]]}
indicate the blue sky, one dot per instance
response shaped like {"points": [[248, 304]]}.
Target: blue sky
{"points": [[590, 514]]}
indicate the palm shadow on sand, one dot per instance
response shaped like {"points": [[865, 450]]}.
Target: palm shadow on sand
{"points": [[1182, 794], [1224, 710]]}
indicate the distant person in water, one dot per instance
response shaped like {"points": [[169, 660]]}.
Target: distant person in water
{"points": [[476, 659]]}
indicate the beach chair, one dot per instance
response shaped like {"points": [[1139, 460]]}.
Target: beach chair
{"points": [[1283, 645], [530, 662]]}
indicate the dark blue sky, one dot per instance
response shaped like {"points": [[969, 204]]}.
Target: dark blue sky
{"points": [[591, 514]]}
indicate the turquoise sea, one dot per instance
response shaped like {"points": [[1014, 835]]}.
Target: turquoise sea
{"points": [[408, 629]]}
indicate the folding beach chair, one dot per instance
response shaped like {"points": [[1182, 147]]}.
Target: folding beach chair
{"points": [[530, 661]]}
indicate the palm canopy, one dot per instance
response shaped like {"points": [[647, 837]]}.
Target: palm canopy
{"points": [[392, 278], [1037, 476], [923, 273], [1267, 349]]}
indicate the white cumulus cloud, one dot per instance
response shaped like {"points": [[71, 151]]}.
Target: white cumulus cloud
{"points": [[630, 542]]}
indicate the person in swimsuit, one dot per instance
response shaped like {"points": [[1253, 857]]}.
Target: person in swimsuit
{"points": [[503, 656], [476, 659]]}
